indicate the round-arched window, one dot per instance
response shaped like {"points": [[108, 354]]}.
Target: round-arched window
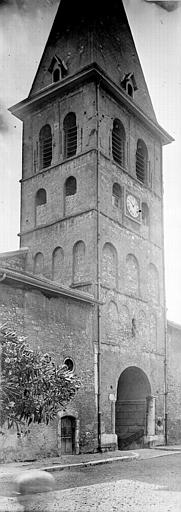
{"points": [[41, 197], [70, 186]]}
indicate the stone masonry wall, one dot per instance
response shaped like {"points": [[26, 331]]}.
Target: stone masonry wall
{"points": [[63, 328], [174, 382]]}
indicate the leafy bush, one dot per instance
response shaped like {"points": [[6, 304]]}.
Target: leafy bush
{"points": [[33, 386]]}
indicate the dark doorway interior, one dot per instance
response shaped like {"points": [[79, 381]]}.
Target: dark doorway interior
{"points": [[133, 388]]}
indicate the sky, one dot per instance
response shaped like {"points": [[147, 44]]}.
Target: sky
{"points": [[24, 29]]}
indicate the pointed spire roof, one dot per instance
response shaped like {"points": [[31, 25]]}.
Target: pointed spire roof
{"points": [[96, 31], [92, 36]]}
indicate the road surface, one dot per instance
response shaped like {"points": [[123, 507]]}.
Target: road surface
{"points": [[152, 485]]}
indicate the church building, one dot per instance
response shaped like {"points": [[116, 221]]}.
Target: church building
{"points": [[87, 284]]}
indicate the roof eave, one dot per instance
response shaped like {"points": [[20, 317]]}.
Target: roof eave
{"points": [[45, 286], [93, 70]]}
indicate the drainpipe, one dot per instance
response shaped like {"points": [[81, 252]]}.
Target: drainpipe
{"points": [[165, 314], [165, 389], [98, 279]]}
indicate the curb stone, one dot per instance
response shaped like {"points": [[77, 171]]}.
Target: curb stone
{"points": [[61, 467]]}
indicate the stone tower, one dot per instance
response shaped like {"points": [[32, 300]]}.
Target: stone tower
{"points": [[92, 209]]}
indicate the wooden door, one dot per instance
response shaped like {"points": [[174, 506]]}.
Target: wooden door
{"points": [[67, 435]]}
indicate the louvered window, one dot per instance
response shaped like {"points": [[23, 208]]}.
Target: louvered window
{"points": [[118, 142], [141, 161], [45, 139], [70, 135]]}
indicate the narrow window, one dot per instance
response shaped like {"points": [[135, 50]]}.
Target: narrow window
{"points": [[70, 135], [45, 139], [118, 142], [70, 186], [56, 75], [116, 195], [141, 161], [130, 90], [40, 197], [145, 214]]}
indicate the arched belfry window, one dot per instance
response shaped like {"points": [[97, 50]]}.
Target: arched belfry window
{"points": [[41, 197], [70, 186], [118, 142], [70, 135], [141, 161], [45, 139]]}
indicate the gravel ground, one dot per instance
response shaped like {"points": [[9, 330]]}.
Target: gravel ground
{"points": [[119, 496], [152, 484]]}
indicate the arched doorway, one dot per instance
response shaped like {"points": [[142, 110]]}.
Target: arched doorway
{"points": [[67, 435], [131, 405]]}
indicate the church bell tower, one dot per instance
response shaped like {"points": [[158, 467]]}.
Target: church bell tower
{"points": [[92, 205]]}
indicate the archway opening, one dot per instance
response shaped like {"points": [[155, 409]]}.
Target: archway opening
{"points": [[131, 406]]}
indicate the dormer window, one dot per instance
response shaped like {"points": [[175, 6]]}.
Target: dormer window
{"points": [[130, 89], [58, 69], [56, 75], [129, 84]]}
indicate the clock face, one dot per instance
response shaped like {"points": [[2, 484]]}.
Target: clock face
{"points": [[132, 205]]}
